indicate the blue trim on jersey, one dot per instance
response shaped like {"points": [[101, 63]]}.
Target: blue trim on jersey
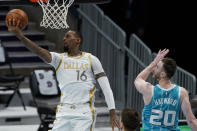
{"points": [[163, 110]]}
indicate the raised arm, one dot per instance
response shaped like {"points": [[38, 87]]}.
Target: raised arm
{"points": [[13, 26], [186, 108], [140, 82]]}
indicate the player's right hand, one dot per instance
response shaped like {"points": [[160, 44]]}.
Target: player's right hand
{"points": [[113, 120], [13, 25], [161, 54]]}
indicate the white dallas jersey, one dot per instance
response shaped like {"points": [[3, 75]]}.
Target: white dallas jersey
{"points": [[75, 76]]}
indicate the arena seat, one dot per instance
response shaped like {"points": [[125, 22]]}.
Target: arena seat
{"points": [[10, 80], [46, 98]]}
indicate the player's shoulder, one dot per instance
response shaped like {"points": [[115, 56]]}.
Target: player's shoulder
{"points": [[183, 91], [92, 56], [88, 53], [150, 87], [56, 56], [56, 53]]}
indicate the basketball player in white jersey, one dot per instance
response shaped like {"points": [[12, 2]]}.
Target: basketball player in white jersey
{"points": [[164, 100], [76, 73]]}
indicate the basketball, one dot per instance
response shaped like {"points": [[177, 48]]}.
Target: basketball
{"points": [[18, 15]]}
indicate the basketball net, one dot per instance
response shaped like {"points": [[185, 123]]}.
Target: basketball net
{"points": [[54, 13]]}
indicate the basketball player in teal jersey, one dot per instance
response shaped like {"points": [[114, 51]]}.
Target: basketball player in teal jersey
{"points": [[164, 100], [76, 73]]}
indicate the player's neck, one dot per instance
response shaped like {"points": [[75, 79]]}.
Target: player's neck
{"points": [[163, 83], [74, 52]]}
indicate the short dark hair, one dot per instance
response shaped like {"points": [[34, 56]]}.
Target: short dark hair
{"points": [[169, 66], [130, 118]]}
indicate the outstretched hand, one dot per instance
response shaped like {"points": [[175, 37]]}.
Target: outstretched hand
{"points": [[13, 25], [161, 54]]}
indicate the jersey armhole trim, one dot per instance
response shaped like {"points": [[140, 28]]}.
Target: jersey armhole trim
{"points": [[179, 92], [60, 62], [90, 61], [153, 91]]}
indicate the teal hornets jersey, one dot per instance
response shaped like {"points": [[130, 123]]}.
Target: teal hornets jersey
{"points": [[161, 114]]}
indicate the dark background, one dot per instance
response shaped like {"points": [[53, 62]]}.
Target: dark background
{"points": [[160, 24]]}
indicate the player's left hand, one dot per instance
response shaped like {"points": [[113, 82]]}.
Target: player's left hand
{"points": [[113, 119]]}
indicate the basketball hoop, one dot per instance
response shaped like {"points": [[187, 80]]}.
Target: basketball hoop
{"points": [[54, 13]]}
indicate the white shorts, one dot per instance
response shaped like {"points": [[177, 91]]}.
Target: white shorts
{"points": [[74, 118]]}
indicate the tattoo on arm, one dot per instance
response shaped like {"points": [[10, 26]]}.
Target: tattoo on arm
{"points": [[100, 75]]}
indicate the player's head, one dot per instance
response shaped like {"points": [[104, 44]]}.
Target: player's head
{"points": [[130, 119], [72, 40], [165, 69]]}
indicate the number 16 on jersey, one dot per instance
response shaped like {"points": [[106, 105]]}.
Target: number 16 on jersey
{"points": [[81, 75]]}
